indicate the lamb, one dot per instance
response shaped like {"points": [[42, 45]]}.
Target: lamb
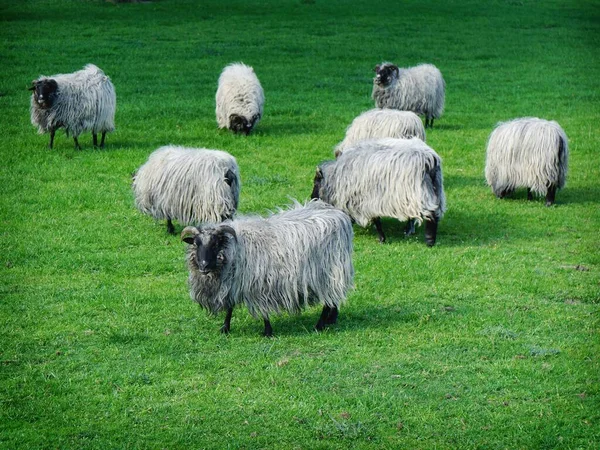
{"points": [[381, 123], [191, 185], [399, 178], [287, 261], [240, 99], [420, 89], [81, 101], [527, 152]]}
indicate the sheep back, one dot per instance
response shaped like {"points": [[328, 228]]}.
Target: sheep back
{"points": [[420, 89], [188, 184], [285, 262], [526, 152], [85, 101], [239, 93], [381, 123], [400, 178]]}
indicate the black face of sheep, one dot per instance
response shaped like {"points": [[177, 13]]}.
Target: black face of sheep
{"points": [[44, 92], [385, 74], [209, 255], [239, 124]]}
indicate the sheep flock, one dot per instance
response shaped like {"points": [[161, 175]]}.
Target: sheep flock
{"points": [[302, 255]]}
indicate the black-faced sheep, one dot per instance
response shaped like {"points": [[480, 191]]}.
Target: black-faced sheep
{"points": [[382, 123], [240, 99], [81, 101], [285, 262], [420, 89], [527, 152], [400, 178], [189, 185]]}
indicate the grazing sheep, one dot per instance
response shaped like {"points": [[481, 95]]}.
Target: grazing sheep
{"points": [[381, 123], [527, 152], [420, 89], [191, 185], [399, 178], [285, 262], [81, 101], [240, 99]]}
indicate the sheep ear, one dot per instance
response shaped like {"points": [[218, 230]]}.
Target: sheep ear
{"points": [[189, 233], [319, 173], [377, 68], [229, 177], [32, 87]]}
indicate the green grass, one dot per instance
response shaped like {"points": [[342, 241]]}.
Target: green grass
{"points": [[488, 340]]}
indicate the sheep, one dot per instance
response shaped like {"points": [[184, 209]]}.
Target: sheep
{"points": [[287, 261], [81, 101], [191, 185], [527, 152], [380, 123], [399, 178], [240, 99], [420, 89]]}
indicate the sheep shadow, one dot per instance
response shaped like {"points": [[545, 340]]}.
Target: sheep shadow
{"points": [[351, 319], [286, 128], [579, 195]]}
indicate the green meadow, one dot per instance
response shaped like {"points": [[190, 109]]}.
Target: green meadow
{"points": [[489, 340]]}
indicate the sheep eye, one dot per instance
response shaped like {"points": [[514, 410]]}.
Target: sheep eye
{"points": [[221, 257]]}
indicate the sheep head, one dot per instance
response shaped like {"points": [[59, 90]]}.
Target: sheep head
{"points": [[239, 124], [44, 92], [211, 243], [386, 74]]}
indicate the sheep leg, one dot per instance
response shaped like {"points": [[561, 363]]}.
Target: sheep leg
{"points": [[170, 227], [377, 222], [431, 122], [332, 317], [431, 231], [323, 319], [102, 139], [504, 193], [95, 139], [410, 227], [550, 195], [77, 146], [227, 324], [52, 133], [268, 329], [529, 194]]}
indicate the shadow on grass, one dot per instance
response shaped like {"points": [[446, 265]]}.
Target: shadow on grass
{"points": [[480, 227], [456, 228], [287, 128], [293, 325]]}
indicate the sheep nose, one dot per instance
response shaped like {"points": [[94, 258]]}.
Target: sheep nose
{"points": [[203, 266]]}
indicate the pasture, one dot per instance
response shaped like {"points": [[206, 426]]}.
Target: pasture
{"points": [[489, 339]]}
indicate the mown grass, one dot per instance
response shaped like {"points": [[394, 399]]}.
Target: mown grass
{"points": [[488, 340]]}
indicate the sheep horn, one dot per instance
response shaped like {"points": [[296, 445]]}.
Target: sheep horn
{"points": [[229, 230], [189, 232]]}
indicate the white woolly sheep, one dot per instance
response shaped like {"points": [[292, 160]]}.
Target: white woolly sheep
{"points": [[420, 89], [381, 123], [81, 101], [240, 99], [283, 263], [399, 178], [190, 185], [527, 152]]}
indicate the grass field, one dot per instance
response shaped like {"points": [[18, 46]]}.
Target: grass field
{"points": [[490, 339]]}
